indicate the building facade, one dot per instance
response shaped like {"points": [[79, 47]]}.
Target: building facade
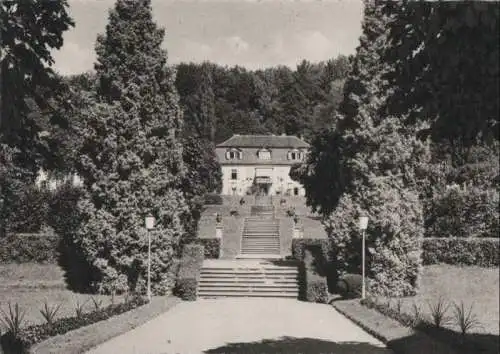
{"points": [[260, 164]]}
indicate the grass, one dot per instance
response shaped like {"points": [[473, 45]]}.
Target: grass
{"points": [[39, 288], [460, 287], [233, 225], [31, 275], [34, 285], [85, 338], [456, 285]]}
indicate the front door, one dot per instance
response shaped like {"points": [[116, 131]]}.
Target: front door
{"points": [[264, 189]]}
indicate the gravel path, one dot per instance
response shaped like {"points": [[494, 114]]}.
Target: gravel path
{"points": [[246, 325]]}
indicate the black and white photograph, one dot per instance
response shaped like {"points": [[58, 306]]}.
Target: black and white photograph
{"points": [[249, 177]]}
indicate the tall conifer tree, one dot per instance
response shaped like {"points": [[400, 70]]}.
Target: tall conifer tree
{"points": [[131, 159], [370, 166]]}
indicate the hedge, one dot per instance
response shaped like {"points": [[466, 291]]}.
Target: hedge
{"points": [[313, 286], [189, 271], [24, 248], [213, 199], [212, 247], [316, 288], [473, 212], [299, 245], [483, 252], [28, 336]]}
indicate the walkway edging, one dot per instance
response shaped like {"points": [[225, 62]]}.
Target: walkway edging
{"points": [[394, 332]]}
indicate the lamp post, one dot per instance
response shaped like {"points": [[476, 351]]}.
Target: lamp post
{"points": [[150, 224], [363, 224]]}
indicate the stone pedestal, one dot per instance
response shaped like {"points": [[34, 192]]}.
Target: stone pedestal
{"points": [[297, 232]]}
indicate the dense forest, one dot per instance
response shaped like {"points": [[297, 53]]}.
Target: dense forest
{"points": [[221, 101]]}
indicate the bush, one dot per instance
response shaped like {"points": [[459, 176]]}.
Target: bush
{"points": [[313, 286], [393, 238], [483, 252], [300, 245], [473, 212], [30, 209], [31, 335], [212, 247], [65, 218], [189, 271], [213, 199], [316, 288], [349, 286], [24, 248]]}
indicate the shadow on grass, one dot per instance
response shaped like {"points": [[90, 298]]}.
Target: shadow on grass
{"points": [[299, 345], [480, 343]]}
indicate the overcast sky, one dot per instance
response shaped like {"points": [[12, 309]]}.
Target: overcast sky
{"points": [[253, 34]]}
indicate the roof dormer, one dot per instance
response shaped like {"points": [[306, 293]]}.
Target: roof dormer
{"points": [[295, 155], [234, 154], [264, 154]]}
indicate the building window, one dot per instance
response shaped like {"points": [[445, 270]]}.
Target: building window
{"points": [[295, 191], [233, 154], [264, 154], [294, 155], [234, 174]]}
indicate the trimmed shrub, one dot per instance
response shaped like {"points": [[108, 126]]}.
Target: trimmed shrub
{"points": [[349, 286], [189, 271], [313, 286], [473, 212], [316, 288], [212, 247], [24, 248], [299, 245], [483, 252], [31, 335], [213, 199]]}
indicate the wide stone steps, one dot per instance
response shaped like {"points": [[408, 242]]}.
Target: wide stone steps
{"points": [[262, 210], [247, 278], [260, 235]]}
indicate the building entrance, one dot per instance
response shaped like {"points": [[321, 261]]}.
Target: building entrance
{"points": [[263, 189]]}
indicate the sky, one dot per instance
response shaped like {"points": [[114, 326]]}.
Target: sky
{"points": [[250, 33]]}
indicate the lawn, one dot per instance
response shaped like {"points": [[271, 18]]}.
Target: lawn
{"points": [[31, 285], [473, 285], [233, 224]]}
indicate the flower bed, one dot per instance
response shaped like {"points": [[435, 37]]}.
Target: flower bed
{"points": [[19, 340]]}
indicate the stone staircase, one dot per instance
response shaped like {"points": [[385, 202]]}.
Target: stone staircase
{"points": [[261, 236], [248, 278], [265, 211]]}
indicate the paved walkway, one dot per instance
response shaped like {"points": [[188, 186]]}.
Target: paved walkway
{"points": [[246, 325]]}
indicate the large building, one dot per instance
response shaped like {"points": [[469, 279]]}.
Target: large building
{"points": [[260, 164]]}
